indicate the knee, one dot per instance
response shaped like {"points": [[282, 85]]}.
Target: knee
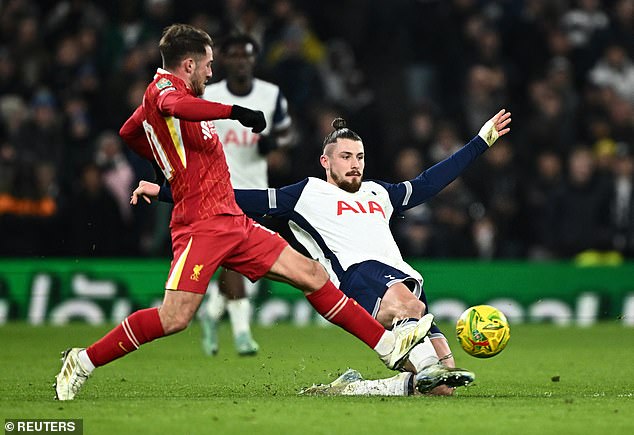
{"points": [[318, 272], [174, 323], [314, 276]]}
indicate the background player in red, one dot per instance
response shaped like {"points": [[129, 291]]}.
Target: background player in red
{"points": [[174, 128]]}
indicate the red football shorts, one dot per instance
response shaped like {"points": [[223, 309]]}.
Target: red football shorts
{"points": [[236, 242]]}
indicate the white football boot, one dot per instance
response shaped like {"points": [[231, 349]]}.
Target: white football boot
{"points": [[245, 344], [72, 375], [438, 374], [335, 387], [406, 337]]}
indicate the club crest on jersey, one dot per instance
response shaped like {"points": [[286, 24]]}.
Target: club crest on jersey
{"points": [[358, 207], [196, 275], [208, 129], [163, 83]]}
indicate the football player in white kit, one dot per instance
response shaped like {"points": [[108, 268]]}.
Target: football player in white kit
{"points": [[343, 222], [247, 156]]}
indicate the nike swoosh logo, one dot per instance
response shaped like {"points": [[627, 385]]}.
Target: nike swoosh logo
{"points": [[121, 346]]}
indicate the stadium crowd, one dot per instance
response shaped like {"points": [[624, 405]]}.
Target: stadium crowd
{"points": [[416, 79]]}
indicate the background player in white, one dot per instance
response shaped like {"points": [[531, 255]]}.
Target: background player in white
{"points": [[247, 156], [343, 222]]}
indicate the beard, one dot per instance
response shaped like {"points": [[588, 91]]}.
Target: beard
{"points": [[348, 186], [198, 87]]}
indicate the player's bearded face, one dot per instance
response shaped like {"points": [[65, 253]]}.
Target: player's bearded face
{"points": [[202, 72], [346, 165]]}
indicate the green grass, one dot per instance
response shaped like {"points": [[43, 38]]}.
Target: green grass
{"points": [[170, 387]]}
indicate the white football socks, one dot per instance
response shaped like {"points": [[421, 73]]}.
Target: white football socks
{"points": [[423, 355], [240, 315], [85, 361], [216, 302], [395, 386], [385, 344]]}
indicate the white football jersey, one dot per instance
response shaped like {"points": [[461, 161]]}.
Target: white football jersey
{"points": [[354, 227], [339, 228], [247, 167]]}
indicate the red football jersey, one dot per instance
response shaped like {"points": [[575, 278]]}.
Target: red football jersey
{"points": [[189, 153]]}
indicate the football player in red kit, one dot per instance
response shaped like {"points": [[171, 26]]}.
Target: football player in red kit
{"points": [[174, 127]]}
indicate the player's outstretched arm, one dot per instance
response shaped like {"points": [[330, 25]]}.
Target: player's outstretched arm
{"points": [[433, 180], [146, 190], [496, 127]]}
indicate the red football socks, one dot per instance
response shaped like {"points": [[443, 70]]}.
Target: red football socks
{"points": [[139, 327], [346, 313]]}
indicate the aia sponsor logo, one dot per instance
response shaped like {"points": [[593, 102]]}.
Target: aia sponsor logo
{"points": [[358, 207], [240, 138], [208, 129]]}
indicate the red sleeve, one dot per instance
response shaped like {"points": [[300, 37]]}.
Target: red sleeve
{"points": [[133, 134], [190, 108]]}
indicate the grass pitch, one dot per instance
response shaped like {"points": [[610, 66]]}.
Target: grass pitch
{"points": [[548, 380]]}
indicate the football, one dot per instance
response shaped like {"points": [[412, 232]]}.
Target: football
{"points": [[483, 331]]}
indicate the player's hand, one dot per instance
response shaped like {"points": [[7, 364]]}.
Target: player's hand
{"points": [[495, 127], [249, 118], [145, 190]]}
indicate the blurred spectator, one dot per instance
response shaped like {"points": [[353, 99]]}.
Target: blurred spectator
{"points": [[578, 220], [68, 16], [245, 18], [485, 238], [621, 29], [451, 232], [421, 130], [343, 82], [10, 81], [622, 200], [615, 70], [584, 22], [412, 231], [94, 226], [117, 174], [293, 52], [559, 78], [485, 94], [40, 137], [496, 183], [446, 142], [547, 126], [542, 184]]}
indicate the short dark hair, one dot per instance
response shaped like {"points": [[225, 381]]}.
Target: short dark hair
{"points": [[238, 39], [179, 41], [341, 132]]}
